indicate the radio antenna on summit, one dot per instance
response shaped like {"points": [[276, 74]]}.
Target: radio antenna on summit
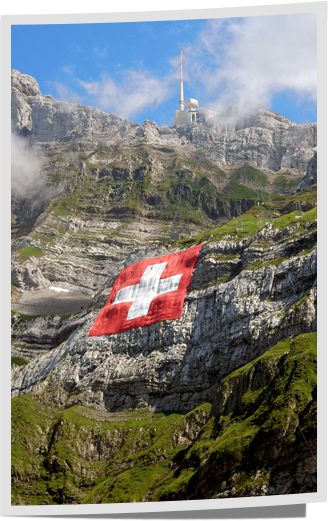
{"points": [[181, 101]]}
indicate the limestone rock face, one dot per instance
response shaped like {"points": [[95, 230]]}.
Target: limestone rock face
{"points": [[176, 365], [29, 275], [44, 332], [263, 139], [70, 258], [233, 311], [311, 175], [24, 84], [22, 88]]}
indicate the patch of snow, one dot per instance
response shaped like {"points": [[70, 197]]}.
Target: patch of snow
{"points": [[58, 289]]}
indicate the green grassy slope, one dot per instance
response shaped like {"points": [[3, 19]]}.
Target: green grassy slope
{"points": [[128, 181], [125, 182], [238, 445], [253, 434], [246, 183], [252, 221]]}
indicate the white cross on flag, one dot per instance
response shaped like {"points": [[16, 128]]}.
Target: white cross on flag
{"points": [[147, 292]]}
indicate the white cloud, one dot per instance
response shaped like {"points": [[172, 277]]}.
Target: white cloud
{"points": [[251, 59], [137, 91], [26, 166], [69, 69], [238, 61], [66, 94]]}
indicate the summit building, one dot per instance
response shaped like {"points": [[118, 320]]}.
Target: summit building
{"points": [[189, 113]]}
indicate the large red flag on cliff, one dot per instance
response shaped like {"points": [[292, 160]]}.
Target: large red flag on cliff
{"points": [[147, 292]]}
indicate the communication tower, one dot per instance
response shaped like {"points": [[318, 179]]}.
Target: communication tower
{"points": [[189, 113]]}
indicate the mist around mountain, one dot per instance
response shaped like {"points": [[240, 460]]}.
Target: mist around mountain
{"points": [[215, 404]]}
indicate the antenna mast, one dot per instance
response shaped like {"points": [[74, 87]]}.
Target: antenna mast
{"points": [[181, 102]]}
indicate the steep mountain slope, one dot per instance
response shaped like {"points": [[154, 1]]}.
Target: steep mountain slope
{"points": [[187, 408], [103, 186], [257, 438], [246, 294]]}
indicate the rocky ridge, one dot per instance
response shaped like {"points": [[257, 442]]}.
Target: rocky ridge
{"points": [[265, 139]]}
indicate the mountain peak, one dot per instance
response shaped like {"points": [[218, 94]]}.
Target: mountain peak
{"points": [[24, 83], [237, 136]]}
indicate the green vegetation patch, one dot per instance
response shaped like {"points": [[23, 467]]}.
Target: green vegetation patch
{"points": [[63, 456], [308, 195], [84, 458], [23, 317], [253, 220], [251, 174], [282, 182], [239, 191], [16, 360], [42, 239], [260, 264], [58, 159], [61, 211], [146, 458], [130, 193], [256, 407], [246, 183], [30, 423], [290, 219], [28, 252]]}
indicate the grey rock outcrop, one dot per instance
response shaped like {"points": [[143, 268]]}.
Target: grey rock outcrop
{"points": [[263, 139], [26, 352], [82, 252], [176, 365], [44, 332], [311, 175]]}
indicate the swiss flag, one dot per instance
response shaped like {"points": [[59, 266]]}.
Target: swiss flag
{"points": [[147, 292]]}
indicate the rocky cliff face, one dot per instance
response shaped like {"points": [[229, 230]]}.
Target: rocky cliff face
{"points": [[311, 175], [264, 139], [244, 297]]}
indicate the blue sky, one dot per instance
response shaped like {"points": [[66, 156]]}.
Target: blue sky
{"points": [[132, 69]]}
